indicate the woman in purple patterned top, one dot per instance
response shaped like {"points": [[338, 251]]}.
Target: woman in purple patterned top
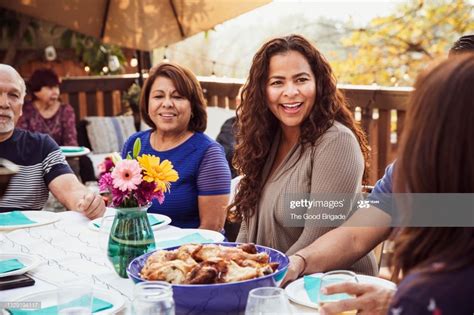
{"points": [[45, 113]]}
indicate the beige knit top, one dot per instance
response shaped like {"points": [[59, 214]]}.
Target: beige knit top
{"points": [[335, 164]]}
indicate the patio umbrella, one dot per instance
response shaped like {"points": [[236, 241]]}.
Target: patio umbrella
{"points": [[136, 24]]}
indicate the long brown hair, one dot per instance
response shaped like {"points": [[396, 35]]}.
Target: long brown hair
{"points": [[187, 86], [436, 156], [257, 124]]}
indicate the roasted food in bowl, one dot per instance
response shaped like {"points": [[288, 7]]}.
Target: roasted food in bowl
{"points": [[207, 263], [209, 278]]}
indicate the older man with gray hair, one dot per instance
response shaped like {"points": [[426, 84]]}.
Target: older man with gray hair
{"points": [[43, 167]]}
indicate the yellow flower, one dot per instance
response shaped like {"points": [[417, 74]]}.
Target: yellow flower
{"points": [[161, 173]]}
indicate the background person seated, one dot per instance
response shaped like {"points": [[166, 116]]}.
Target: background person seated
{"points": [[45, 113], [42, 165]]}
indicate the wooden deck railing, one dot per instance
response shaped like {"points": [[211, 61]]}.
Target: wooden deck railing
{"points": [[381, 111]]}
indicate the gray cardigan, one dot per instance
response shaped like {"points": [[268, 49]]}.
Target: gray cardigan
{"points": [[334, 165]]}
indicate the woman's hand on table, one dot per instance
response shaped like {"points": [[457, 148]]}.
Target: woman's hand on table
{"points": [[370, 299], [295, 268]]}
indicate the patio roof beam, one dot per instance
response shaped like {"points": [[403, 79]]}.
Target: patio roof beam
{"points": [[104, 19], [175, 13]]}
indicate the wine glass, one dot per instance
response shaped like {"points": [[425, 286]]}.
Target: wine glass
{"points": [[267, 300], [335, 277]]}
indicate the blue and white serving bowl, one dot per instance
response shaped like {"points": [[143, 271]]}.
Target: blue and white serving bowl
{"points": [[224, 298]]}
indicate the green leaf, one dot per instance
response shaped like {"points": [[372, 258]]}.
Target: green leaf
{"points": [[129, 157], [137, 146]]}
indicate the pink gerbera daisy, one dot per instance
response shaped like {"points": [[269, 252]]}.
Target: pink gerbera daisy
{"points": [[127, 175]]}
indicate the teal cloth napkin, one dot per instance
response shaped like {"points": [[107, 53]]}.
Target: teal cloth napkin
{"points": [[97, 306], [72, 149], [14, 218], [311, 286], [10, 265], [153, 221], [191, 238]]}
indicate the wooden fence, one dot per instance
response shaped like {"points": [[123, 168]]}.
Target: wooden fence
{"points": [[381, 111]]}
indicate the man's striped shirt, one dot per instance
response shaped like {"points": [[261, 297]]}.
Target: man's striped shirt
{"points": [[40, 161]]}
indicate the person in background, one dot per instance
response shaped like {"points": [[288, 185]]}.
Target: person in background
{"points": [[296, 136], [226, 136], [45, 113], [172, 103], [43, 167]]}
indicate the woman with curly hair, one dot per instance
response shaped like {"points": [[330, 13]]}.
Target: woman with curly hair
{"points": [[296, 137]]}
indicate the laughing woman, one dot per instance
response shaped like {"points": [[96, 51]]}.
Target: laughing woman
{"points": [[172, 103], [296, 137]]}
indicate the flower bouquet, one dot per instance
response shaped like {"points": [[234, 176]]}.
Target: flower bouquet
{"points": [[133, 184]]}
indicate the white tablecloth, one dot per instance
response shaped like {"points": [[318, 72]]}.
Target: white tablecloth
{"points": [[70, 250]]}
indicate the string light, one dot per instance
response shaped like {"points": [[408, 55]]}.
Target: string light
{"points": [[213, 73], [133, 62], [165, 59], [87, 68]]}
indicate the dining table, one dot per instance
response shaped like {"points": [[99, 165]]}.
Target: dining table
{"points": [[68, 249]]}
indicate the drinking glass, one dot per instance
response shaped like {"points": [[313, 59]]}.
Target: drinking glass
{"points": [[104, 233], [153, 298], [334, 277], [75, 297], [267, 300]]}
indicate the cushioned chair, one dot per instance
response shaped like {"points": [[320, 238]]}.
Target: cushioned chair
{"points": [[103, 136], [232, 228]]}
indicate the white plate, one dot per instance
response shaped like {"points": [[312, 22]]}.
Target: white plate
{"points": [[29, 261], [84, 151], [40, 217], [49, 298], [297, 294], [176, 234], [160, 217]]}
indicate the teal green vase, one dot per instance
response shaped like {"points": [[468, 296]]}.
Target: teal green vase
{"points": [[130, 236]]}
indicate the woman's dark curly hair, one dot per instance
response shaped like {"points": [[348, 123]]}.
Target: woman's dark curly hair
{"points": [[257, 124]]}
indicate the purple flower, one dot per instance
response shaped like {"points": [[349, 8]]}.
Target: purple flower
{"points": [[159, 195], [105, 166], [106, 182], [118, 196], [145, 193]]}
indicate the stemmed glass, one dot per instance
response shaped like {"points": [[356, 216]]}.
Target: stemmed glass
{"points": [[334, 277], [267, 300]]}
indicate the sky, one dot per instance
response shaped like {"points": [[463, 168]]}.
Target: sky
{"points": [[228, 49], [359, 11]]}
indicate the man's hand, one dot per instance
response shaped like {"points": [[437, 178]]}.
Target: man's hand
{"points": [[92, 205], [295, 267], [75, 196], [370, 299]]}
